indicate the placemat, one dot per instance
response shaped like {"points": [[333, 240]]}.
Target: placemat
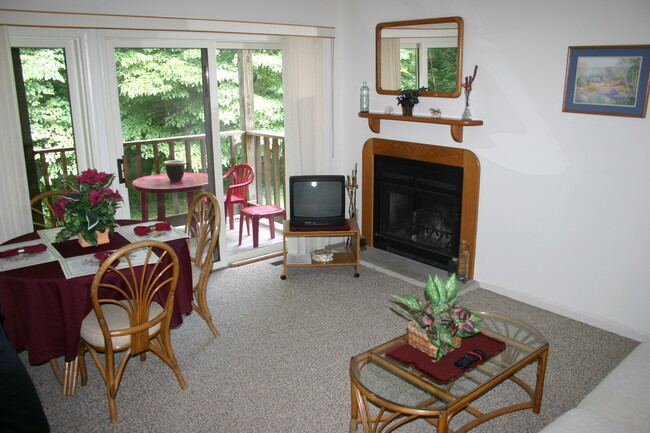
{"points": [[444, 370], [162, 236], [24, 258]]}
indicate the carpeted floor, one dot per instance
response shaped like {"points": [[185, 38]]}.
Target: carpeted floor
{"points": [[281, 361]]}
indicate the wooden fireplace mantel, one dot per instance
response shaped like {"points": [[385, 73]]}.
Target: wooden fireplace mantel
{"points": [[427, 153], [457, 125]]}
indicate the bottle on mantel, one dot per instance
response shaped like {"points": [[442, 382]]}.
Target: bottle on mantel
{"points": [[365, 98], [463, 261]]}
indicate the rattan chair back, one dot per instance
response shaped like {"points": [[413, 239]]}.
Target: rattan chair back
{"points": [[43, 210], [126, 316], [202, 225]]}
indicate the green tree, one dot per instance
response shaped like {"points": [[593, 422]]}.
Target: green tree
{"points": [[408, 68], [443, 69], [160, 91], [45, 78]]}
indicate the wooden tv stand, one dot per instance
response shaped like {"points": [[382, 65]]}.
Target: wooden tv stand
{"points": [[347, 258]]}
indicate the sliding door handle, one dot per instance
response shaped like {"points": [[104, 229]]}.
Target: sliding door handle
{"points": [[121, 170]]}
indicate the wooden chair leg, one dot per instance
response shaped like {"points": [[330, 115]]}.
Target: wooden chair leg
{"points": [[201, 307], [56, 370]]}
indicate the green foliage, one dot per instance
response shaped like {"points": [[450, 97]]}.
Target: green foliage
{"points": [[439, 316], [443, 69], [408, 68], [160, 92], [410, 97], [48, 104], [161, 95]]}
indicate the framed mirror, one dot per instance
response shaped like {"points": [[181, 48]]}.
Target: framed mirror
{"points": [[420, 53]]}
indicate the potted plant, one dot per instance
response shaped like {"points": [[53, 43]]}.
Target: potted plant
{"points": [[442, 322], [408, 99], [87, 207]]}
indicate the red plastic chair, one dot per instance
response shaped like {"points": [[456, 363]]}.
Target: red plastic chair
{"points": [[242, 176]]}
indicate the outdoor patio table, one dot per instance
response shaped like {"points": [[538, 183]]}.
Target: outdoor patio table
{"points": [[160, 185]]}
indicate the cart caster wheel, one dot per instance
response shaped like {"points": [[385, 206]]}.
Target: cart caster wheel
{"points": [[283, 277], [356, 275]]}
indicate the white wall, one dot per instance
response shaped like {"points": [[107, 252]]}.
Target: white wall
{"points": [[565, 198], [274, 11]]}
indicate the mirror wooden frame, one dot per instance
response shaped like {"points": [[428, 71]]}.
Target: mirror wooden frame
{"points": [[381, 26]]}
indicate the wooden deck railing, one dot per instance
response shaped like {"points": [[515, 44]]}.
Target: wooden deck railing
{"points": [[68, 164], [263, 150]]}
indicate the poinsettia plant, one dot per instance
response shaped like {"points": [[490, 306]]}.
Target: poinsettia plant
{"points": [[88, 206], [439, 315]]}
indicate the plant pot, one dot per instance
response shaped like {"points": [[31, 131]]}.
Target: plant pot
{"points": [[102, 238], [175, 170], [407, 110], [418, 339]]}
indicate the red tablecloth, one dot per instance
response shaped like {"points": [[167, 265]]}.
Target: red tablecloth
{"points": [[43, 310]]}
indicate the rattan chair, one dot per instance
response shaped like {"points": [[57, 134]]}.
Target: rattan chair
{"points": [[43, 210], [202, 225], [136, 273]]}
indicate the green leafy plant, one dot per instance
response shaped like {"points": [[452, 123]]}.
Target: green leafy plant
{"points": [[439, 315], [410, 97], [88, 206]]}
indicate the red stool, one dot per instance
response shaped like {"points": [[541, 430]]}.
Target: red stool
{"points": [[255, 213]]}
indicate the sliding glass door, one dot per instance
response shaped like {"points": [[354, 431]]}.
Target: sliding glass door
{"points": [[164, 116], [46, 73]]}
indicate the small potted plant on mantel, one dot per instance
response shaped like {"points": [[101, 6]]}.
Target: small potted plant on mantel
{"points": [[437, 325], [408, 99]]}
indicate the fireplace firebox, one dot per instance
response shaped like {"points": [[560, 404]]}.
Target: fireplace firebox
{"points": [[429, 208], [418, 208]]}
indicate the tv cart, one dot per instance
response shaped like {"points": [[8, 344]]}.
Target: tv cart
{"points": [[347, 258]]}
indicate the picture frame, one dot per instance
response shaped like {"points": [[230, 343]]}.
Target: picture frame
{"points": [[608, 80]]}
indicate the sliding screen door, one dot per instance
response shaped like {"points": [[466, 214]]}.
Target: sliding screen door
{"points": [[162, 102]]}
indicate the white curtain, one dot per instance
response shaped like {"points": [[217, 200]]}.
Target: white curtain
{"points": [[307, 117], [303, 101], [390, 64], [16, 217]]}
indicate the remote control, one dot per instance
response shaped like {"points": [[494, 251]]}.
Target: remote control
{"points": [[469, 359]]}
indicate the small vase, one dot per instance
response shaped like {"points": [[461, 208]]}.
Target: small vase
{"points": [[467, 114], [102, 238], [407, 110], [175, 170]]}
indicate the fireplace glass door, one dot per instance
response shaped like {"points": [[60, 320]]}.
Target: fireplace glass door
{"points": [[418, 209]]}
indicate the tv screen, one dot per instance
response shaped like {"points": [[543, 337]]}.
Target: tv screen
{"points": [[317, 200]]}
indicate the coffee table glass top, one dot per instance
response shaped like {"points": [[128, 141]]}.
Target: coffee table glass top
{"points": [[405, 386]]}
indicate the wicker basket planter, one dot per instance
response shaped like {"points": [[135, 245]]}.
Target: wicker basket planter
{"points": [[418, 339]]}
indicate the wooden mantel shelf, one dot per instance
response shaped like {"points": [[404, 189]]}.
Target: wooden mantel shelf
{"points": [[457, 125]]}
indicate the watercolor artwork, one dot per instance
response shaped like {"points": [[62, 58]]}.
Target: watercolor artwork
{"points": [[607, 81], [611, 80]]}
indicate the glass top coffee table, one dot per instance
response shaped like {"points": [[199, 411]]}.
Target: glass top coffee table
{"points": [[387, 394]]}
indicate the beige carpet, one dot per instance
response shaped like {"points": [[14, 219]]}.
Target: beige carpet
{"points": [[281, 361]]}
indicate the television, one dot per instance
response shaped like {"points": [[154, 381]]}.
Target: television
{"points": [[317, 200]]}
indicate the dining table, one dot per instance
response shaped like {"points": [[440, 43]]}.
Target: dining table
{"points": [[160, 184], [45, 294]]}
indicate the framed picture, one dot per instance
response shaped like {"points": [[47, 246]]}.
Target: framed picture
{"points": [[610, 80]]}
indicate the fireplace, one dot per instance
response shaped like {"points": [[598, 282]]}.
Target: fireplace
{"points": [[419, 200], [417, 209]]}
